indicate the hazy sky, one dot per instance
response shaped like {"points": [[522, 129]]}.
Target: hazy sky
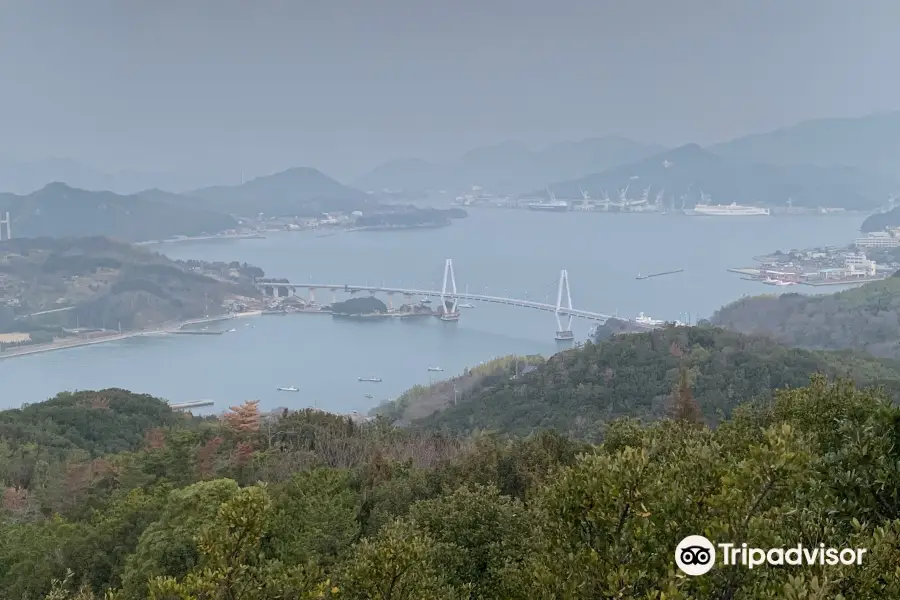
{"points": [[343, 85]]}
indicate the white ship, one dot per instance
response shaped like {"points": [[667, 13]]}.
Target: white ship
{"points": [[289, 388], [779, 282], [643, 319], [727, 210], [552, 206], [435, 369]]}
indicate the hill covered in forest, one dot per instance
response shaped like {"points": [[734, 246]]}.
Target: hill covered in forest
{"points": [[301, 191], [96, 423], [635, 375], [58, 210], [307, 505], [881, 221], [106, 283], [862, 318]]}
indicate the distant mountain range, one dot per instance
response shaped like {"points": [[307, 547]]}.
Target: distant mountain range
{"points": [[683, 174], [24, 177], [825, 162], [301, 191], [58, 210], [870, 143], [853, 163], [507, 168]]}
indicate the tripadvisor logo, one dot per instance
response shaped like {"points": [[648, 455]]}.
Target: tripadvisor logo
{"points": [[696, 555]]}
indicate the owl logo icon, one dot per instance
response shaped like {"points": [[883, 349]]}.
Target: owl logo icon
{"points": [[695, 555]]}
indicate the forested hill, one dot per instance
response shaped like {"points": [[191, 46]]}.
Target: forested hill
{"points": [[880, 221], [635, 375], [311, 506], [863, 318], [109, 283], [58, 210], [301, 191], [95, 423]]}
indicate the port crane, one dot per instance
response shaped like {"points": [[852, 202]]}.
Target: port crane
{"points": [[623, 199], [659, 199]]}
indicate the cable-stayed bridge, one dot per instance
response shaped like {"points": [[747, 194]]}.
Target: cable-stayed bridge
{"points": [[451, 297]]}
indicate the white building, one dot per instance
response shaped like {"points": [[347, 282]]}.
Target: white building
{"points": [[877, 239], [858, 263]]}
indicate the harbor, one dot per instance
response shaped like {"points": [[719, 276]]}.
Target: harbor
{"points": [[816, 267]]}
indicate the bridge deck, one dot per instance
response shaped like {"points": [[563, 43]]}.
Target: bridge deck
{"points": [[563, 311]]}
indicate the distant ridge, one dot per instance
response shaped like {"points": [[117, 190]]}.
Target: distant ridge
{"points": [[59, 210], [301, 191], [508, 167], [683, 173], [26, 176], [870, 143]]}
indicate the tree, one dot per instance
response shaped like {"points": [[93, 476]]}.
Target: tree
{"points": [[168, 546], [682, 405], [231, 566], [482, 538], [244, 418], [315, 517], [400, 563]]}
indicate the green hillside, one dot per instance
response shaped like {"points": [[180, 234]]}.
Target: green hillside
{"points": [[863, 318], [58, 210], [109, 283], [309, 506], [634, 375]]}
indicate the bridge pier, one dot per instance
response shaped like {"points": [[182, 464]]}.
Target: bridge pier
{"points": [[564, 331], [449, 298]]}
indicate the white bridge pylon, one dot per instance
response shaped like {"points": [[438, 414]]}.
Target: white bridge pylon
{"points": [[564, 294], [449, 293]]}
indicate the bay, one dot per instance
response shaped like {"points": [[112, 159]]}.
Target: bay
{"points": [[498, 252]]}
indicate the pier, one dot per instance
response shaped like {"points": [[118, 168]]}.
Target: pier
{"points": [[659, 274], [195, 332]]}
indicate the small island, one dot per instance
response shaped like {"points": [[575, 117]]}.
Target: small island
{"points": [[370, 307], [359, 307]]}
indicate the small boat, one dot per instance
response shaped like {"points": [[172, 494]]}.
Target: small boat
{"points": [[232, 330], [289, 388], [466, 305], [369, 396], [435, 369], [370, 379], [425, 300]]}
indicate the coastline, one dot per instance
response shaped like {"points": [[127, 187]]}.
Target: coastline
{"points": [[202, 238], [166, 329], [398, 227]]}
